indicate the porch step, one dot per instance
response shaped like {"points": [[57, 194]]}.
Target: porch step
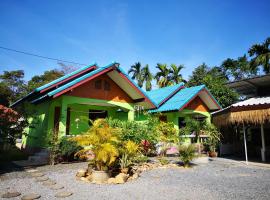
{"points": [[39, 158]]}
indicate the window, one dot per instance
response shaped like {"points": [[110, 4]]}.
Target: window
{"points": [[107, 86], [98, 84]]}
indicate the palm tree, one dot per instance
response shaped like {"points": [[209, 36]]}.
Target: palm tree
{"points": [[163, 75], [136, 71], [176, 76], [261, 55], [147, 77]]}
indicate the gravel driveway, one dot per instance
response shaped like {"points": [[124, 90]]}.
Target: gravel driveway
{"points": [[216, 180]]}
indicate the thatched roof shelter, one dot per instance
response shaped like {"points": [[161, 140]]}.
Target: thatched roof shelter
{"points": [[251, 111]]}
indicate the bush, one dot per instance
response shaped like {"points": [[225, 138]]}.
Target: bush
{"points": [[138, 132], [163, 161], [67, 149], [187, 154]]}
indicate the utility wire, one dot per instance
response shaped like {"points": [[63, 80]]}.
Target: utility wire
{"points": [[40, 56]]}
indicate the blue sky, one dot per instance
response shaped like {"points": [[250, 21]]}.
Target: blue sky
{"points": [[168, 31]]}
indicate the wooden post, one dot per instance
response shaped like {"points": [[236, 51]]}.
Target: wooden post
{"points": [[245, 143], [263, 144]]}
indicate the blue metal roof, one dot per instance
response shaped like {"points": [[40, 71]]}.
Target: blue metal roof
{"points": [[161, 94], [177, 101], [92, 73], [63, 77]]}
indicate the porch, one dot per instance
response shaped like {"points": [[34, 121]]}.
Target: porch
{"points": [[71, 115]]}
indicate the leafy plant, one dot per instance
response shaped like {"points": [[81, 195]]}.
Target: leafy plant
{"points": [[167, 132], [129, 151], [213, 136], [163, 161], [67, 148], [104, 141], [187, 154]]}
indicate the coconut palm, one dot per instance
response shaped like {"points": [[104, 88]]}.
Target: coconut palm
{"points": [[136, 71], [261, 55], [147, 77], [176, 76], [163, 75]]}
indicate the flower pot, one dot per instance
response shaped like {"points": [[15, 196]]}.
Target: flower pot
{"points": [[212, 154], [100, 176]]}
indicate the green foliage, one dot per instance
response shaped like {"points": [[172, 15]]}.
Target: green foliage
{"points": [[192, 125], [167, 132], [140, 159], [163, 75], [137, 131], [46, 77], [136, 71], [128, 151], [237, 69], [163, 161], [67, 148], [12, 86], [213, 136], [187, 154], [260, 55], [176, 75], [147, 77], [215, 81]]}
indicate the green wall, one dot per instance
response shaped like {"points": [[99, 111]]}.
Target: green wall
{"points": [[36, 132], [42, 120]]}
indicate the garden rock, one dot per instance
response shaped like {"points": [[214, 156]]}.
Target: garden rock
{"points": [[56, 187], [81, 173], [41, 179], [32, 170], [121, 178], [10, 195], [111, 181], [49, 183], [84, 179], [30, 196], [63, 194], [37, 174]]}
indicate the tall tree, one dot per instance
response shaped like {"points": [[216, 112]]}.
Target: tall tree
{"points": [[212, 78], [46, 77], [12, 85], [260, 54], [176, 75], [163, 75], [237, 69], [147, 77], [136, 73]]}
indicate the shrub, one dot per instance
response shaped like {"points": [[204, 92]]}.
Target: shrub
{"points": [[163, 161], [67, 148], [187, 154], [167, 132]]}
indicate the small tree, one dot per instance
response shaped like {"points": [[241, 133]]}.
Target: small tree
{"points": [[11, 125]]}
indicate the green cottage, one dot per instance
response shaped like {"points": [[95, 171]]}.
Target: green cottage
{"points": [[65, 105]]}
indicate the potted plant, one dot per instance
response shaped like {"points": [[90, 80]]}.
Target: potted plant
{"points": [[212, 140], [104, 141]]}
